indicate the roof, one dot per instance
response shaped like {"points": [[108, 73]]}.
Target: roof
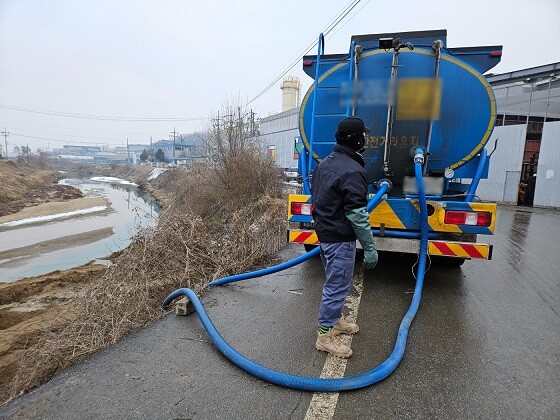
{"points": [[534, 91]]}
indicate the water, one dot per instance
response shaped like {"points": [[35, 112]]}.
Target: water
{"points": [[130, 211]]}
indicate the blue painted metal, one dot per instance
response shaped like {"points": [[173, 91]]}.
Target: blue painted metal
{"points": [[320, 52], [350, 78], [467, 112], [474, 184], [303, 156]]}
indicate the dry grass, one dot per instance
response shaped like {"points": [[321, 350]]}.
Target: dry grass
{"points": [[220, 223], [29, 181]]}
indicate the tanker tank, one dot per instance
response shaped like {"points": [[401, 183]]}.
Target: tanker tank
{"points": [[411, 90]]}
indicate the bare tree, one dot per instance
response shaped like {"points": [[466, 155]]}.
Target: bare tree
{"points": [[236, 155]]}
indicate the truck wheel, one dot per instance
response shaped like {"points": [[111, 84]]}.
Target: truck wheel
{"points": [[309, 247], [448, 262]]}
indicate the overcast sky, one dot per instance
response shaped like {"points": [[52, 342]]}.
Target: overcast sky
{"points": [[177, 59]]}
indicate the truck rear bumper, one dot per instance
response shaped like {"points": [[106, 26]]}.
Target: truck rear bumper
{"points": [[410, 246]]}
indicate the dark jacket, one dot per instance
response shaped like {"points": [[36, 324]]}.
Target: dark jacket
{"points": [[339, 185]]}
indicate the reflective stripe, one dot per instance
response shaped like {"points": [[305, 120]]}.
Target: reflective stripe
{"points": [[457, 249], [304, 237]]}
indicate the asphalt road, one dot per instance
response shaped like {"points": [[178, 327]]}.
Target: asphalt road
{"points": [[485, 344]]}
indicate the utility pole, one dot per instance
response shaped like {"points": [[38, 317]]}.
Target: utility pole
{"points": [[127, 152], [174, 137], [211, 148], [5, 134]]}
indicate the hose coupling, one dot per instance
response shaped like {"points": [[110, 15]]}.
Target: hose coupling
{"points": [[385, 181], [418, 154]]}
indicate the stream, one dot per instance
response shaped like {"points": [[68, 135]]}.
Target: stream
{"points": [[60, 244]]}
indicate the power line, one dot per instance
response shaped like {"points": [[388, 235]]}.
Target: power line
{"points": [[83, 137], [61, 141], [313, 44], [310, 44], [333, 25], [58, 140], [95, 97], [98, 117], [351, 17], [81, 129]]}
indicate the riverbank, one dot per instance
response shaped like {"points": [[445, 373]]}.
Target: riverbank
{"points": [[54, 208], [33, 307], [223, 220], [31, 182]]}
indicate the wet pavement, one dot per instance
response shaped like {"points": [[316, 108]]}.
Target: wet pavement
{"points": [[485, 344]]}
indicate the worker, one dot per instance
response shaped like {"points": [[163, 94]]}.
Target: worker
{"points": [[339, 211]]}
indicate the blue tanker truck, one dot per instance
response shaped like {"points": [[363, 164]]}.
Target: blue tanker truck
{"points": [[413, 91]]}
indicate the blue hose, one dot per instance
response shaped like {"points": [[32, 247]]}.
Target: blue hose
{"points": [[478, 174], [317, 384], [265, 271], [283, 266]]}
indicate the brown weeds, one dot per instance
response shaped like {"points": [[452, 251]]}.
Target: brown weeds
{"points": [[221, 222]]}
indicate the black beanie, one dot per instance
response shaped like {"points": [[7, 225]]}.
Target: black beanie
{"points": [[350, 132]]}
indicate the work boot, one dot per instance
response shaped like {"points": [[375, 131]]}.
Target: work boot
{"points": [[345, 327], [330, 342]]}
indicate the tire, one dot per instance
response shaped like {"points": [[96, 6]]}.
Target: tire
{"points": [[309, 247], [450, 262]]}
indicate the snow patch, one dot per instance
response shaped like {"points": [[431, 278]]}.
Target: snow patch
{"points": [[113, 180], [53, 216], [155, 173]]}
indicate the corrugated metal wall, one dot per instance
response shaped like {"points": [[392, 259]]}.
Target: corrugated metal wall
{"points": [[280, 130], [547, 189], [505, 164]]}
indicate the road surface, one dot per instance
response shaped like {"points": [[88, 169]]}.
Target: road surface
{"points": [[485, 344]]}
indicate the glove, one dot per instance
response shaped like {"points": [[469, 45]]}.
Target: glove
{"points": [[359, 218], [370, 259]]}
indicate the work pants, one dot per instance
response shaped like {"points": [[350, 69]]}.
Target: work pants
{"points": [[338, 259]]}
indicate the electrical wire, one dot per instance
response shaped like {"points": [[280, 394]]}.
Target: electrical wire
{"points": [[310, 44], [78, 136], [292, 64], [81, 129], [350, 18], [99, 117], [63, 141], [94, 97]]}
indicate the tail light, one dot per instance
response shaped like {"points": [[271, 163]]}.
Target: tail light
{"points": [[301, 208], [472, 218]]}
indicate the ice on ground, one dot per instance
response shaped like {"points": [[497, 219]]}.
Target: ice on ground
{"points": [[155, 173], [50, 217], [113, 180]]}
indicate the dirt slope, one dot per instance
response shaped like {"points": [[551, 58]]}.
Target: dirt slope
{"points": [[26, 183]]}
